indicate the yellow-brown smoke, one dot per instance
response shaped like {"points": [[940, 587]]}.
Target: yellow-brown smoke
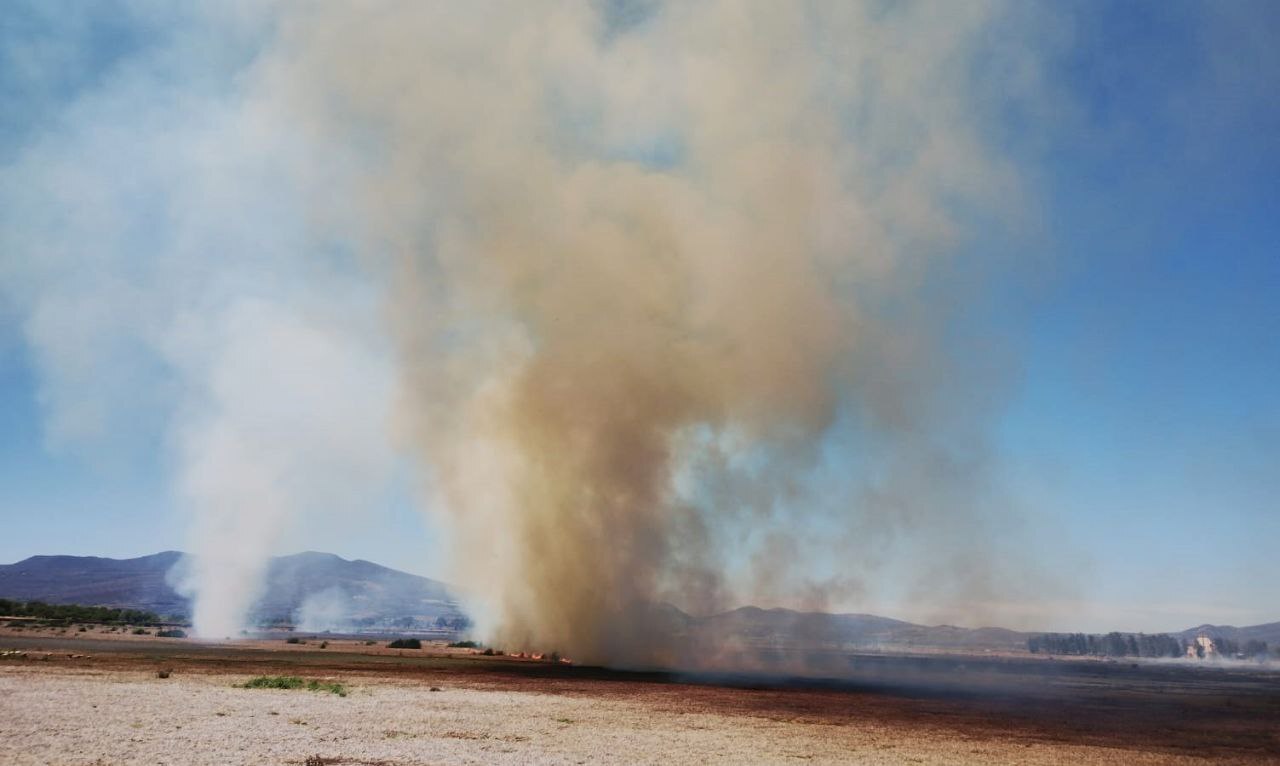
{"points": [[624, 243]]}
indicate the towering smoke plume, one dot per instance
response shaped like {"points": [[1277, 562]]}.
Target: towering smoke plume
{"points": [[632, 257], [663, 284]]}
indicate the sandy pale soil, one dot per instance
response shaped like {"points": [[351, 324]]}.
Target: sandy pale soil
{"points": [[68, 715]]}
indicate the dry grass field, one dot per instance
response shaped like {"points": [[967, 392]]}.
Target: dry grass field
{"points": [[98, 700]]}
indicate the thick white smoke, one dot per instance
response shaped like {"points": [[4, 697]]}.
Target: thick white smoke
{"points": [[157, 248]]}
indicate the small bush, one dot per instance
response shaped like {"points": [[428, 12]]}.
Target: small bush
{"points": [[141, 632], [370, 643], [293, 682], [324, 644], [275, 682], [175, 633], [333, 687], [163, 673], [405, 643], [488, 652], [294, 640], [464, 645]]}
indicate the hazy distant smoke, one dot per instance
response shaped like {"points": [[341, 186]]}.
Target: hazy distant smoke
{"points": [[156, 250], [329, 609], [640, 260], [664, 285]]}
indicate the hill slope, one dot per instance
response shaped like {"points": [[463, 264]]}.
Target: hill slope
{"points": [[321, 589], [92, 581], [780, 628], [1269, 632]]}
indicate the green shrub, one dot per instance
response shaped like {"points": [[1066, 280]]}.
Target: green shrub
{"points": [[174, 633], [141, 632], [464, 645], [333, 687], [293, 682], [275, 682], [405, 643], [294, 640]]}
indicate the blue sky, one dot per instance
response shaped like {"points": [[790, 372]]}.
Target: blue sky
{"points": [[1141, 430], [1149, 414]]}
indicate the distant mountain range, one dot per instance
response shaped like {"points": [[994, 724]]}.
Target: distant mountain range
{"points": [[318, 591], [92, 581], [781, 627], [1269, 632]]}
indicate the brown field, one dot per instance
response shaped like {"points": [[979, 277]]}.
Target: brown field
{"points": [[94, 698]]}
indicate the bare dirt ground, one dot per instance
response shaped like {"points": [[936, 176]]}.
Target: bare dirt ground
{"points": [[96, 699]]}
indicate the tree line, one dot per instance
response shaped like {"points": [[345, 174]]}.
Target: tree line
{"points": [[1116, 644], [69, 613], [1111, 645], [1249, 649]]}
